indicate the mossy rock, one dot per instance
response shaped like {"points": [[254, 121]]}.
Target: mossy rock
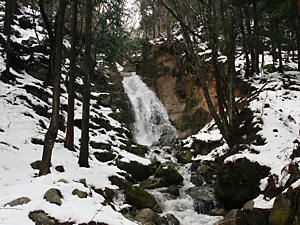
{"points": [[153, 183], [185, 156], [137, 170], [18, 201], [79, 193], [238, 182], [140, 198], [53, 196], [105, 156], [169, 174], [120, 182]]}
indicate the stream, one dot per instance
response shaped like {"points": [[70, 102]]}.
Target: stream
{"points": [[153, 128]]}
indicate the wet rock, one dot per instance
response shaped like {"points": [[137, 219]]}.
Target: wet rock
{"points": [[146, 215], [238, 182], [79, 193], [197, 179], [120, 182], [105, 156], [36, 164], [185, 156], [172, 190], [168, 219], [18, 201], [53, 196], [170, 175], [138, 171], [153, 183], [140, 199], [204, 199]]}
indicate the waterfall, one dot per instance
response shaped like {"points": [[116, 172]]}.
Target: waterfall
{"points": [[152, 125]]}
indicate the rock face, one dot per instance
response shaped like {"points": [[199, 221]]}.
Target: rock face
{"points": [[238, 182], [183, 98]]}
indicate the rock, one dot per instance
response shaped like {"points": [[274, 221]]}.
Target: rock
{"points": [[140, 150], [248, 205], [197, 179], [25, 22], [105, 156], [79, 193], [36, 164], [120, 182], [41, 218], [170, 175], [168, 219], [146, 215], [62, 181], [185, 156], [153, 183], [217, 212], [83, 181], [249, 217], [60, 168], [204, 199], [172, 190], [53, 196], [18, 201], [37, 141], [139, 198], [238, 182], [138, 171], [100, 145]]}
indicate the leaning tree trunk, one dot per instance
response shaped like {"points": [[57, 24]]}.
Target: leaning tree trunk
{"points": [[69, 142], [53, 128], [84, 147]]}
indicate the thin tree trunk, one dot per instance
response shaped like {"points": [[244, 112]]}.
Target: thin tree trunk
{"points": [[84, 147], [53, 128], [69, 142], [297, 12], [278, 43]]}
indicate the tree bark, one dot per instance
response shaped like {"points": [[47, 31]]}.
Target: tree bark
{"points": [[69, 142], [84, 147], [53, 128]]}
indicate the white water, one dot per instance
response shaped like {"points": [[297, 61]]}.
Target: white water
{"points": [[151, 118], [151, 121]]}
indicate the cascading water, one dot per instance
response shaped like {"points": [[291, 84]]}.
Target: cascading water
{"points": [[152, 127], [151, 118]]}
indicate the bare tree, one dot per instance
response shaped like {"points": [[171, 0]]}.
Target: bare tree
{"points": [[56, 74]]}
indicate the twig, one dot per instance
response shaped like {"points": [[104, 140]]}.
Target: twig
{"points": [[98, 211]]}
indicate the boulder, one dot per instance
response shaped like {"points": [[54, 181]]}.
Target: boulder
{"points": [[100, 145], [140, 198], [53, 196], [152, 183], [18, 201], [140, 150], [36, 164], [79, 193], [249, 217], [168, 219], [41, 218], [238, 182], [120, 182], [146, 215], [105, 156], [169, 174], [197, 179], [60, 168], [185, 156], [204, 199], [138, 171], [172, 190]]}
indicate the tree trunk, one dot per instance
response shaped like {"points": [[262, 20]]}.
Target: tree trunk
{"points": [[278, 43], [69, 142], [297, 12], [53, 128], [84, 147], [10, 7]]}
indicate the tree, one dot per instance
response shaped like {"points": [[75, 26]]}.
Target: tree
{"points": [[84, 147], [51, 133], [69, 142], [10, 7]]}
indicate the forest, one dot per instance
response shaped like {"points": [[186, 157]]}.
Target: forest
{"points": [[153, 112]]}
